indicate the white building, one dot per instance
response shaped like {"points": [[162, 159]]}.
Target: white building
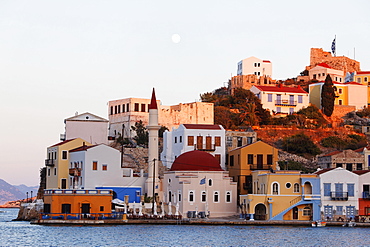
{"points": [[87, 126], [131, 110], [196, 183], [281, 99], [99, 167], [320, 72], [188, 137], [255, 66], [339, 193]]}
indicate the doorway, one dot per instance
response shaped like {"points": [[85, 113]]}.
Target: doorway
{"points": [[295, 213]]}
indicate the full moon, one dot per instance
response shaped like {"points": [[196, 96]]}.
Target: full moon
{"points": [[176, 38]]}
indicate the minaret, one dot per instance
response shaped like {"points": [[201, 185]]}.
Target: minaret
{"points": [[153, 128]]}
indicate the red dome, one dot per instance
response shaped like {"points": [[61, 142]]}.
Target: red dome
{"points": [[196, 161]]}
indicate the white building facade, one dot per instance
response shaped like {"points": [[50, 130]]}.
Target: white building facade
{"points": [[196, 183], [87, 126], [255, 66], [189, 137], [320, 72], [339, 193], [281, 99]]}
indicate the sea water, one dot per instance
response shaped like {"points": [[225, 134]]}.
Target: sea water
{"points": [[21, 233]]}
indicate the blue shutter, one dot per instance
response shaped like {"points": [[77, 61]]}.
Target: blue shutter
{"points": [[351, 189], [269, 97], [327, 189], [300, 99]]}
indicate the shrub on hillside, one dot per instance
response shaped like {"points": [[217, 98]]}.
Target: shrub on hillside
{"points": [[300, 144], [334, 142]]}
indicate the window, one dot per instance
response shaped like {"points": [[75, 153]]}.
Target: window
{"points": [[115, 109], [204, 196], [47, 208], [190, 140], [359, 166], [296, 188], [209, 182], [127, 107], [175, 139], [339, 210], [278, 109], [231, 160], [179, 193], [291, 111], [269, 159], [275, 189], [104, 167], [55, 171], [215, 196], [123, 108], [191, 196], [340, 102], [228, 196], [250, 159], [101, 208], [111, 110], [119, 108], [95, 165], [288, 185], [240, 141], [349, 167], [64, 155], [365, 79], [66, 208], [340, 91], [218, 158], [142, 107], [48, 172], [169, 196], [300, 99], [327, 189], [136, 107], [269, 97], [306, 211], [217, 141], [180, 139], [359, 80], [351, 189]]}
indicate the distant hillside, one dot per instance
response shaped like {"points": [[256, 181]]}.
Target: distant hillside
{"points": [[9, 192], [24, 189]]}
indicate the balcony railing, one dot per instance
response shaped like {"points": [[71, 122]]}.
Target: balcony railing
{"points": [[339, 196], [209, 148], [366, 195], [75, 172], [260, 167], [49, 162], [286, 102]]}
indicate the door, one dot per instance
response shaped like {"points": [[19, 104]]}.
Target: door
{"points": [[259, 161], [209, 143], [64, 183], [278, 99], [291, 99], [199, 142], [295, 213], [338, 190], [85, 208]]}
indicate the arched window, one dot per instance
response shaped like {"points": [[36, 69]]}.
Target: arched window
{"points": [[209, 182], [191, 196], [215, 196], [275, 189], [307, 211], [228, 196], [169, 196], [296, 187], [179, 195], [204, 196]]}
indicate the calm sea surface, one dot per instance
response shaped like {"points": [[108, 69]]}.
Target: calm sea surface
{"points": [[17, 233]]}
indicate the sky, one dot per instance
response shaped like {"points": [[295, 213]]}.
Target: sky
{"points": [[62, 57]]}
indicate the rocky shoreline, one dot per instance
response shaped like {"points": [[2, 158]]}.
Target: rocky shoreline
{"points": [[17, 203]]}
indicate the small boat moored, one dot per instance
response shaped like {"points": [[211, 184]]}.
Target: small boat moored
{"points": [[318, 224]]}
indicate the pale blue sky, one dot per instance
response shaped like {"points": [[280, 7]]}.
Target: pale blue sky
{"points": [[59, 57]]}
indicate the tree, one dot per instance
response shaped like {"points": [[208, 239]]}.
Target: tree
{"points": [[334, 142], [327, 97], [142, 135], [162, 130], [300, 144]]}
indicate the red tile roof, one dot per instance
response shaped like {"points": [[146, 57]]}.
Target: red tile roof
{"points": [[61, 143], [352, 83], [331, 154], [361, 172], [202, 126], [362, 72], [82, 148], [196, 161], [266, 61], [324, 65], [323, 171], [281, 89]]}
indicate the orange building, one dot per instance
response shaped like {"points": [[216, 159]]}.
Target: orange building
{"points": [[74, 204]]}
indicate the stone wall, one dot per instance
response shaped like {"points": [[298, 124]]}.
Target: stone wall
{"points": [[247, 81], [340, 63], [341, 110]]}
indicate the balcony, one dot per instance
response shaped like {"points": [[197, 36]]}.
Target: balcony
{"points": [[75, 172], [207, 147], [366, 195], [339, 196], [260, 167], [49, 162], [286, 102]]}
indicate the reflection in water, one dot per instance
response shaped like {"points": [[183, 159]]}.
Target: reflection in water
{"points": [[22, 233]]}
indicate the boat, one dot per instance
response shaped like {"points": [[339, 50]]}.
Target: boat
{"points": [[318, 224], [350, 224]]}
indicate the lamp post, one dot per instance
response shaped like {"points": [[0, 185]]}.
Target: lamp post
{"points": [[27, 196], [31, 195], [122, 136]]}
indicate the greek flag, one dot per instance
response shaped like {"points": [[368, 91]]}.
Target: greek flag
{"points": [[203, 181], [333, 47]]}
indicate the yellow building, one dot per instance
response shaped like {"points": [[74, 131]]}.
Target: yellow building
{"points": [[76, 204], [243, 160], [283, 195], [348, 94], [363, 77], [57, 163]]}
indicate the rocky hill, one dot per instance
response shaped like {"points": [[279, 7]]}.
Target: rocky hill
{"points": [[9, 192]]}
